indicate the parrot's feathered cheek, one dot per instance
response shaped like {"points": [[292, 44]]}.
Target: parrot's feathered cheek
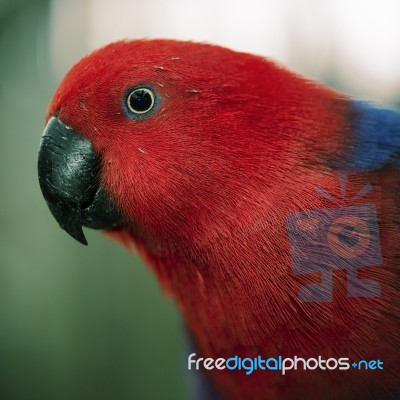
{"points": [[69, 176]]}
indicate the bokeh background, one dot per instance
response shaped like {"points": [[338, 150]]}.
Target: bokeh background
{"points": [[91, 322]]}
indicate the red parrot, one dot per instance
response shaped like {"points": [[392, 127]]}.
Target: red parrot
{"points": [[266, 204]]}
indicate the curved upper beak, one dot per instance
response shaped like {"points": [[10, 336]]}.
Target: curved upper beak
{"points": [[69, 177]]}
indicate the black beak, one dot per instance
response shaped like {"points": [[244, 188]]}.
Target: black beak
{"points": [[69, 177]]}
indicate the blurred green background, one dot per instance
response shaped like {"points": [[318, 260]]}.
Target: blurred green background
{"points": [[75, 322]]}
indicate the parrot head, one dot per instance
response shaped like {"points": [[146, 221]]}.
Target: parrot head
{"points": [[157, 135], [195, 155]]}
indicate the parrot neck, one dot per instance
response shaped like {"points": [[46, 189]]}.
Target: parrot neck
{"points": [[233, 290], [239, 294]]}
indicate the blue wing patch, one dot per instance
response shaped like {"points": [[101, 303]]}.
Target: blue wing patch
{"points": [[200, 388], [376, 134]]}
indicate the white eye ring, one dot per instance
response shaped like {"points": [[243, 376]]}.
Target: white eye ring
{"points": [[140, 101]]}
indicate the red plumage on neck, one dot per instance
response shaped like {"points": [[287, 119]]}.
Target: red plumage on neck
{"points": [[238, 294]]}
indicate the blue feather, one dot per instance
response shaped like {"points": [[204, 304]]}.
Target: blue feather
{"points": [[376, 133], [200, 388]]}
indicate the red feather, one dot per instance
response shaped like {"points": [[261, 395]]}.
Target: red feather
{"points": [[206, 184]]}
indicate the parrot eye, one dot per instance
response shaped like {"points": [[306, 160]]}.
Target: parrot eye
{"points": [[140, 102]]}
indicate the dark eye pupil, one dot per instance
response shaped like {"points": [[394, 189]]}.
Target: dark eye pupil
{"points": [[141, 100]]}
